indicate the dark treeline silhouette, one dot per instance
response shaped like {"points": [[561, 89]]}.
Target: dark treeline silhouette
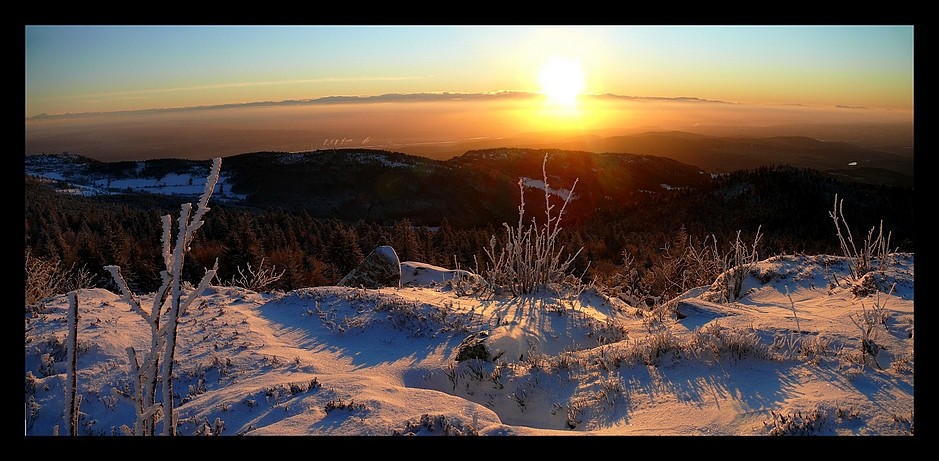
{"points": [[790, 205]]}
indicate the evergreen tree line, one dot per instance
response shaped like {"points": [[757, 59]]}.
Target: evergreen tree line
{"points": [[790, 205]]}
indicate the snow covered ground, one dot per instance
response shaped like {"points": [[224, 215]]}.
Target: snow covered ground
{"points": [[347, 361], [70, 172]]}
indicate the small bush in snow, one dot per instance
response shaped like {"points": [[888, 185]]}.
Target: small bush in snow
{"points": [[686, 265], [610, 388], [50, 352], [205, 429], [794, 423], [649, 350], [572, 411], [869, 322], [32, 411], [903, 364], [810, 349], [528, 258], [904, 424], [735, 343], [626, 283], [736, 265], [436, 425], [256, 279], [338, 404], [874, 251], [30, 383], [48, 278], [520, 397], [608, 331]]}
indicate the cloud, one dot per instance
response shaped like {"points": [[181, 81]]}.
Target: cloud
{"points": [[390, 97], [408, 98], [126, 93], [659, 98]]}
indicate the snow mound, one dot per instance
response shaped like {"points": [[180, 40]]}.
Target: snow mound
{"points": [[801, 272]]}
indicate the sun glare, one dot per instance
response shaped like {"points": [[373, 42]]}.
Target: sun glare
{"points": [[562, 81]]}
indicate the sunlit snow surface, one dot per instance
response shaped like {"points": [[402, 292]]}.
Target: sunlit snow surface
{"points": [[348, 361]]}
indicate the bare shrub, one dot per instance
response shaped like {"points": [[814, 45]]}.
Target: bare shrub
{"points": [[437, 425], [626, 283], [45, 278], [794, 423], [528, 257], [719, 342], [868, 322], [875, 249], [256, 279], [654, 348], [903, 364], [339, 404], [736, 264], [687, 265]]}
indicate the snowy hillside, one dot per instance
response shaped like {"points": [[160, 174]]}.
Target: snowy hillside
{"points": [[75, 175], [787, 358]]}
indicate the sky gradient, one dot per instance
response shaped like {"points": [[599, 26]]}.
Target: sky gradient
{"points": [[110, 68], [132, 92]]}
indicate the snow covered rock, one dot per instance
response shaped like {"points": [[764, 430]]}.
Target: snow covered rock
{"points": [[426, 275], [510, 343], [474, 347], [381, 268]]}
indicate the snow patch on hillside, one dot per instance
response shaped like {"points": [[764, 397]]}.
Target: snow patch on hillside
{"points": [[72, 178], [184, 184], [368, 157], [540, 185]]}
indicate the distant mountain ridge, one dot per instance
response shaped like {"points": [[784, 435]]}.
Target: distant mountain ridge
{"points": [[719, 154], [480, 186], [352, 184]]}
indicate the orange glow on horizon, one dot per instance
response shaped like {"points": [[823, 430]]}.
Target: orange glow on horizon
{"points": [[229, 131]]}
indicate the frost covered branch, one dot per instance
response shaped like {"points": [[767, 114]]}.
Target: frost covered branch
{"points": [[72, 401], [168, 306]]}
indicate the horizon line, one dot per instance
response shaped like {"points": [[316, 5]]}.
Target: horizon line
{"points": [[408, 97]]}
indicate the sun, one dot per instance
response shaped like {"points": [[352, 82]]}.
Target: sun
{"points": [[562, 81]]}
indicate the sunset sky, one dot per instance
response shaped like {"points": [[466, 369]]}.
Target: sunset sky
{"points": [[599, 79], [91, 69]]}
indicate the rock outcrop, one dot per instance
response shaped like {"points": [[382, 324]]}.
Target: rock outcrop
{"points": [[381, 268]]}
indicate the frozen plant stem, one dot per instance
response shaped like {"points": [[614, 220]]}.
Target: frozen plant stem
{"points": [[168, 306], [792, 304], [71, 386]]}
